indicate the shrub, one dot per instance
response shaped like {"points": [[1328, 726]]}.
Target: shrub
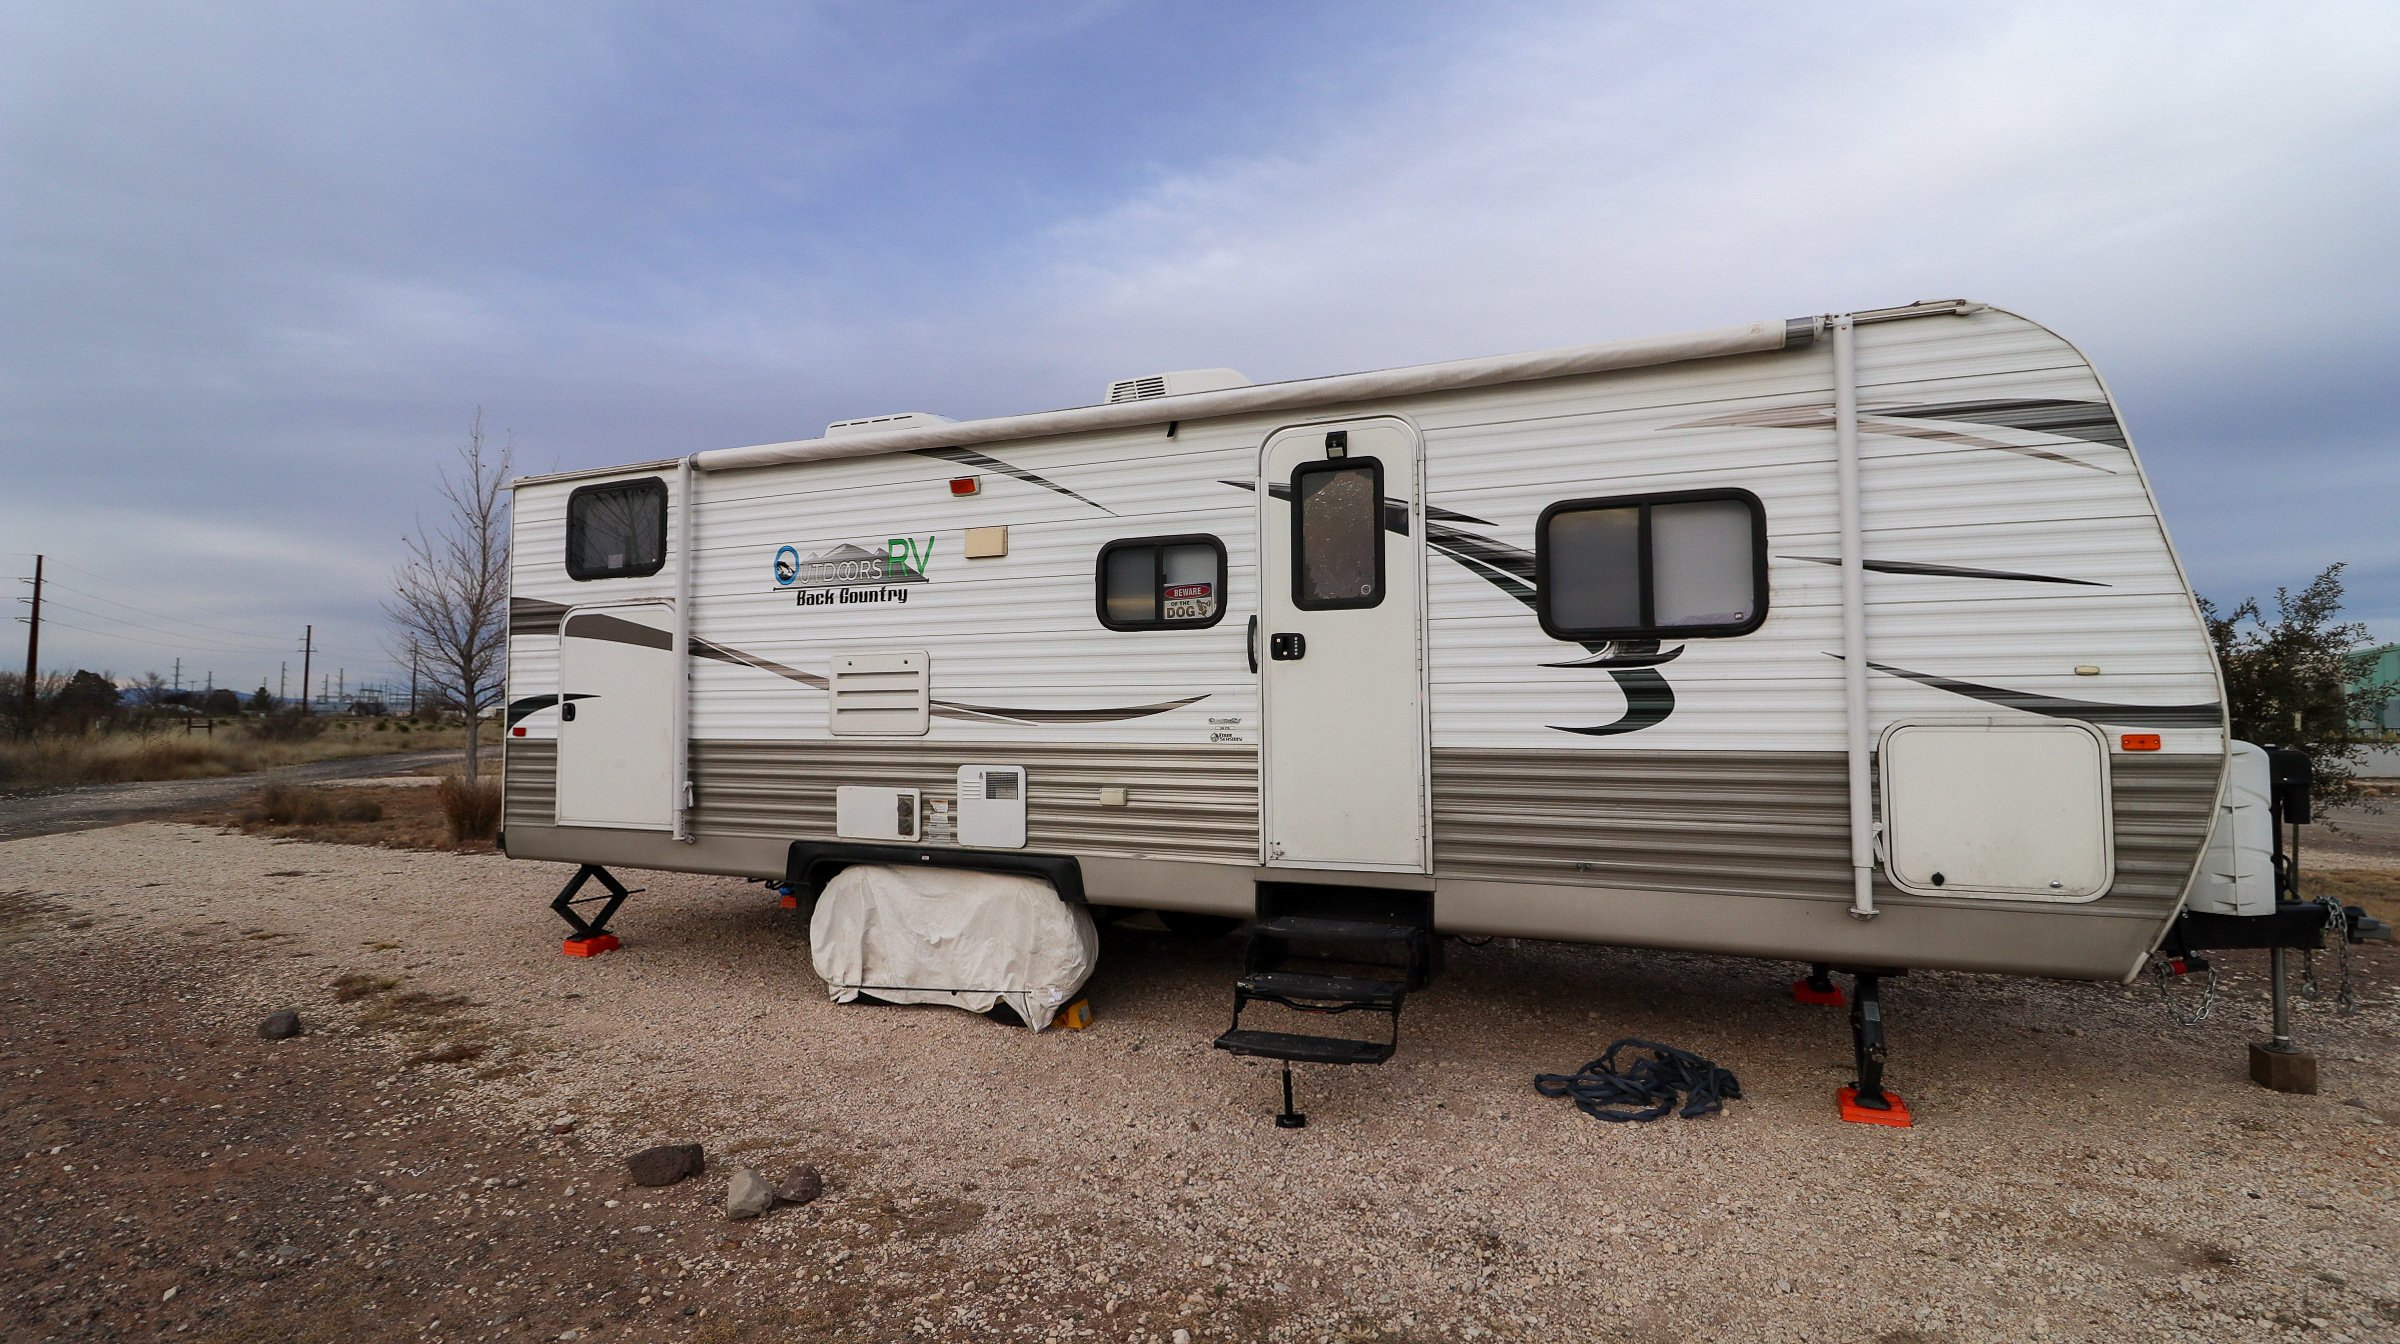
{"points": [[284, 805], [473, 810], [289, 726], [382, 726]]}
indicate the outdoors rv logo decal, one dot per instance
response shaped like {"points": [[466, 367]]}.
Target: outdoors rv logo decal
{"points": [[851, 574]]}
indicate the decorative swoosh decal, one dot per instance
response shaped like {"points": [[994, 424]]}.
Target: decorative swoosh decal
{"points": [[535, 704], [1945, 571], [2085, 421], [1631, 664], [2056, 707], [968, 457], [1648, 702], [592, 625]]}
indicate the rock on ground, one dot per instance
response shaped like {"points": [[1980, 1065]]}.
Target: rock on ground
{"points": [[800, 1185], [280, 1026], [665, 1164], [748, 1195]]}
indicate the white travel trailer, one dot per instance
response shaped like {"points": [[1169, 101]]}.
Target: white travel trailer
{"points": [[1854, 640]]}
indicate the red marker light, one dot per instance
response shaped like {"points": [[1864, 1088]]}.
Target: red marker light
{"points": [[516, 732], [966, 485]]}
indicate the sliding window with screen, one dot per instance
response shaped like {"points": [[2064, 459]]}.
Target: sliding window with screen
{"points": [[1161, 583], [1671, 566]]}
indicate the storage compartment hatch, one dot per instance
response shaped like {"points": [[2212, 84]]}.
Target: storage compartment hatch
{"points": [[2017, 810]]}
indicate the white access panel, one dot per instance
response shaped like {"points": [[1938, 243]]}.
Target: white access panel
{"points": [[616, 678], [880, 694], [2237, 872], [1982, 808], [1343, 763], [861, 813], [991, 806]]}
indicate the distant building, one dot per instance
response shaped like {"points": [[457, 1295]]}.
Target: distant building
{"points": [[2379, 671]]}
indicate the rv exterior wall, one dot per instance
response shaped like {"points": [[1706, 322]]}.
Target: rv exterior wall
{"points": [[1663, 793]]}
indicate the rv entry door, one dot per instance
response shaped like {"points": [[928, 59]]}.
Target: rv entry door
{"points": [[1341, 648], [616, 678]]}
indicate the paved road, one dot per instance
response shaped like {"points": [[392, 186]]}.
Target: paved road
{"points": [[115, 804], [2360, 832]]}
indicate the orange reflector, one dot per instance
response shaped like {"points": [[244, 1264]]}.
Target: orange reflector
{"points": [[965, 485], [2139, 741]]}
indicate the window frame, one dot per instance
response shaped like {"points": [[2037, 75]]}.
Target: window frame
{"points": [[1158, 581], [1325, 466], [1649, 628], [651, 485]]}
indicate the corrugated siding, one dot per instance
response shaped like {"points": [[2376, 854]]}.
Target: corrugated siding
{"points": [[529, 783], [1181, 802], [1765, 824]]}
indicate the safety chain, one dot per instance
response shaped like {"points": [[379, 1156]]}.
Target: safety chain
{"points": [[2337, 924], [2166, 994]]}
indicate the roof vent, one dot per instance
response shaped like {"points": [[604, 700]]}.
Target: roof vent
{"points": [[1174, 384], [876, 424]]}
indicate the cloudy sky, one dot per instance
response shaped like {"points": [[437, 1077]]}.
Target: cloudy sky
{"points": [[262, 262]]}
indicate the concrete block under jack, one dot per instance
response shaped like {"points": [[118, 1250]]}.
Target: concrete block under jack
{"points": [[2283, 1070]]}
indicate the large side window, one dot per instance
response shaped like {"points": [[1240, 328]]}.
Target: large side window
{"points": [[1162, 583], [1337, 534], [617, 530], [1670, 566]]}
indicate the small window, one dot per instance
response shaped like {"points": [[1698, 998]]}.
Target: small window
{"points": [[1673, 566], [618, 530], [1337, 534], [1162, 583]]}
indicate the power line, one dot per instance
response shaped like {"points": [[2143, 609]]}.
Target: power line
{"points": [[184, 641], [162, 616]]}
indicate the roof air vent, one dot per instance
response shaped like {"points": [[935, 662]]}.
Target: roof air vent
{"points": [[1174, 384], [876, 424]]}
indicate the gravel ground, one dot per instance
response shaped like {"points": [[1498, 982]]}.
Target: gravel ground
{"points": [[54, 813], [2080, 1169]]}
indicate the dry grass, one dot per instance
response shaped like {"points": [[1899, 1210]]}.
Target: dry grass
{"points": [[439, 1027], [472, 810], [290, 805], [123, 758], [2373, 890], [380, 816]]}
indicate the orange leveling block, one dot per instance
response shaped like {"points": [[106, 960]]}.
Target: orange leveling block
{"points": [[1818, 990], [591, 936], [1897, 1116], [1865, 1102], [1075, 1016]]}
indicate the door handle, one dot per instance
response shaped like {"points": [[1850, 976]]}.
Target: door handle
{"points": [[566, 710], [1250, 643], [1289, 647]]}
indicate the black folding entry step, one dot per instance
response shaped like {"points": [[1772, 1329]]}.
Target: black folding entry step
{"points": [[1351, 953]]}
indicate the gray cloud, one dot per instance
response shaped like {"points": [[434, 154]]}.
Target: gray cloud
{"points": [[263, 263]]}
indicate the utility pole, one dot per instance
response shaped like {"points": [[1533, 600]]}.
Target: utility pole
{"points": [[33, 643], [341, 685], [283, 682], [412, 683], [308, 650], [179, 674]]}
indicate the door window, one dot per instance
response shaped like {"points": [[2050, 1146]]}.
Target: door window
{"points": [[1337, 534]]}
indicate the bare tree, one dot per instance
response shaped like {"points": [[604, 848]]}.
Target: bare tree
{"points": [[449, 600]]}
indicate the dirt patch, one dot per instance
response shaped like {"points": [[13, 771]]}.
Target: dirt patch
{"points": [[383, 816], [2375, 890], [2080, 1169]]}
